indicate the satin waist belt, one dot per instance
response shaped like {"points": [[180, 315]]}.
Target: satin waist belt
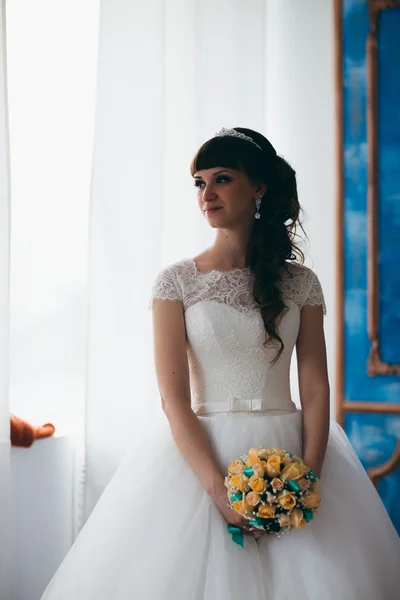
{"points": [[235, 404]]}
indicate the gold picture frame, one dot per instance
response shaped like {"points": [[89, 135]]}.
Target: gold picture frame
{"points": [[375, 364]]}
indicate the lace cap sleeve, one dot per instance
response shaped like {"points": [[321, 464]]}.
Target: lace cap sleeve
{"points": [[315, 295], [166, 286]]}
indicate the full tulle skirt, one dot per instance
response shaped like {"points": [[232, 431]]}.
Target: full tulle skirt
{"points": [[155, 534]]}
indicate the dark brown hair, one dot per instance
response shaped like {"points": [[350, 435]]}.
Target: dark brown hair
{"points": [[271, 242]]}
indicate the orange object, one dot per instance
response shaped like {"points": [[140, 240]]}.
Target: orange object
{"points": [[23, 434]]}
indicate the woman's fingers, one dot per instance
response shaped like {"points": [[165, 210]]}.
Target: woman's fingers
{"points": [[251, 530], [245, 526]]}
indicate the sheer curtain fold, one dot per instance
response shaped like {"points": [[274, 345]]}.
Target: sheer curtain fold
{"points": [[5, 492], [170, 74]]}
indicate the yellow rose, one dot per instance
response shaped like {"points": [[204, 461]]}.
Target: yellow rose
{"points": [[242, 507], [253, 498], [287, 500], [273, 467], [311, 500], [297, 519], [303, 468], [257, 485], [278, 452], [254, 451], [258, 471], [264, 452], [293, 471], [236, 467], [240, 482], [287, 460], [290, 471], [266, 511], [253, 459]]}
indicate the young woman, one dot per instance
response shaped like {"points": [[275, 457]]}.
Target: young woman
{"points": [[225, 326]]}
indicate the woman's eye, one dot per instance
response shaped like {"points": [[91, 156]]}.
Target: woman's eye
{"points": [[220, 179]]}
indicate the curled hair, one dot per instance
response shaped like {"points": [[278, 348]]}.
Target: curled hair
{"points": [[271, 241]]}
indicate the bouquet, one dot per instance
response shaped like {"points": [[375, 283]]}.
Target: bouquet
{"points": [[272, 488]]}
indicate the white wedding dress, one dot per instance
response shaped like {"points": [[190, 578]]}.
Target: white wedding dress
{"points": [[156, 535]]}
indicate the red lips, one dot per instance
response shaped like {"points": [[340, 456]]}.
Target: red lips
{"points": [[212, 209]]}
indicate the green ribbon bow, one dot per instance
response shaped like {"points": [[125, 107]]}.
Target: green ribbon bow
{"points": [[236, 497], [258, 523], [308, 514], [248, 471], [293, 486], [237, 535]]}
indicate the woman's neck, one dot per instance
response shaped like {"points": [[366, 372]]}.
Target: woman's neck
{"points": [[229, 249]]}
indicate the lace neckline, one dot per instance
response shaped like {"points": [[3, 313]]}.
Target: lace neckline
{"points": [[217, 271]]}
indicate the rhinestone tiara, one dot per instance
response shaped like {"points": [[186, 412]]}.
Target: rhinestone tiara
{"points": [[233, 133]]}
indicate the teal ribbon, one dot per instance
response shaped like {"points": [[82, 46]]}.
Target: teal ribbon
{"points": [[308, 514], [248, 471], [257, 523], [237, 535], [293, 486], [312, 476], [236, 497]]}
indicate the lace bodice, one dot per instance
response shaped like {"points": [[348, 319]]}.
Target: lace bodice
{"points": [[230, 369]]}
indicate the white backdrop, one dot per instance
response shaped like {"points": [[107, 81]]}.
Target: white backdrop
{"points": [[5, 487], [170, 74]]}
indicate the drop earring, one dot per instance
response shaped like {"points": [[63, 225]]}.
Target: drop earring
{"points": [[258, 204]]}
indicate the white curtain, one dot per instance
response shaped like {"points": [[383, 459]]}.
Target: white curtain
{"points": [[170, 74], [5, 490]]}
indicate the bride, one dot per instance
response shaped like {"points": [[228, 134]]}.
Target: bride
{"points": [[225, 326]]}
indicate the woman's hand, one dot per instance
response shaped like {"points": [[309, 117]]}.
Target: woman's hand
{"points": [[232, 517]]}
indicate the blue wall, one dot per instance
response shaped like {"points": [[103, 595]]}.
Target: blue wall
{"points": [[374, 437]]}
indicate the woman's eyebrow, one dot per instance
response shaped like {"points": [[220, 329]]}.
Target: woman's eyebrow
{"points": [[214, 174]]}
